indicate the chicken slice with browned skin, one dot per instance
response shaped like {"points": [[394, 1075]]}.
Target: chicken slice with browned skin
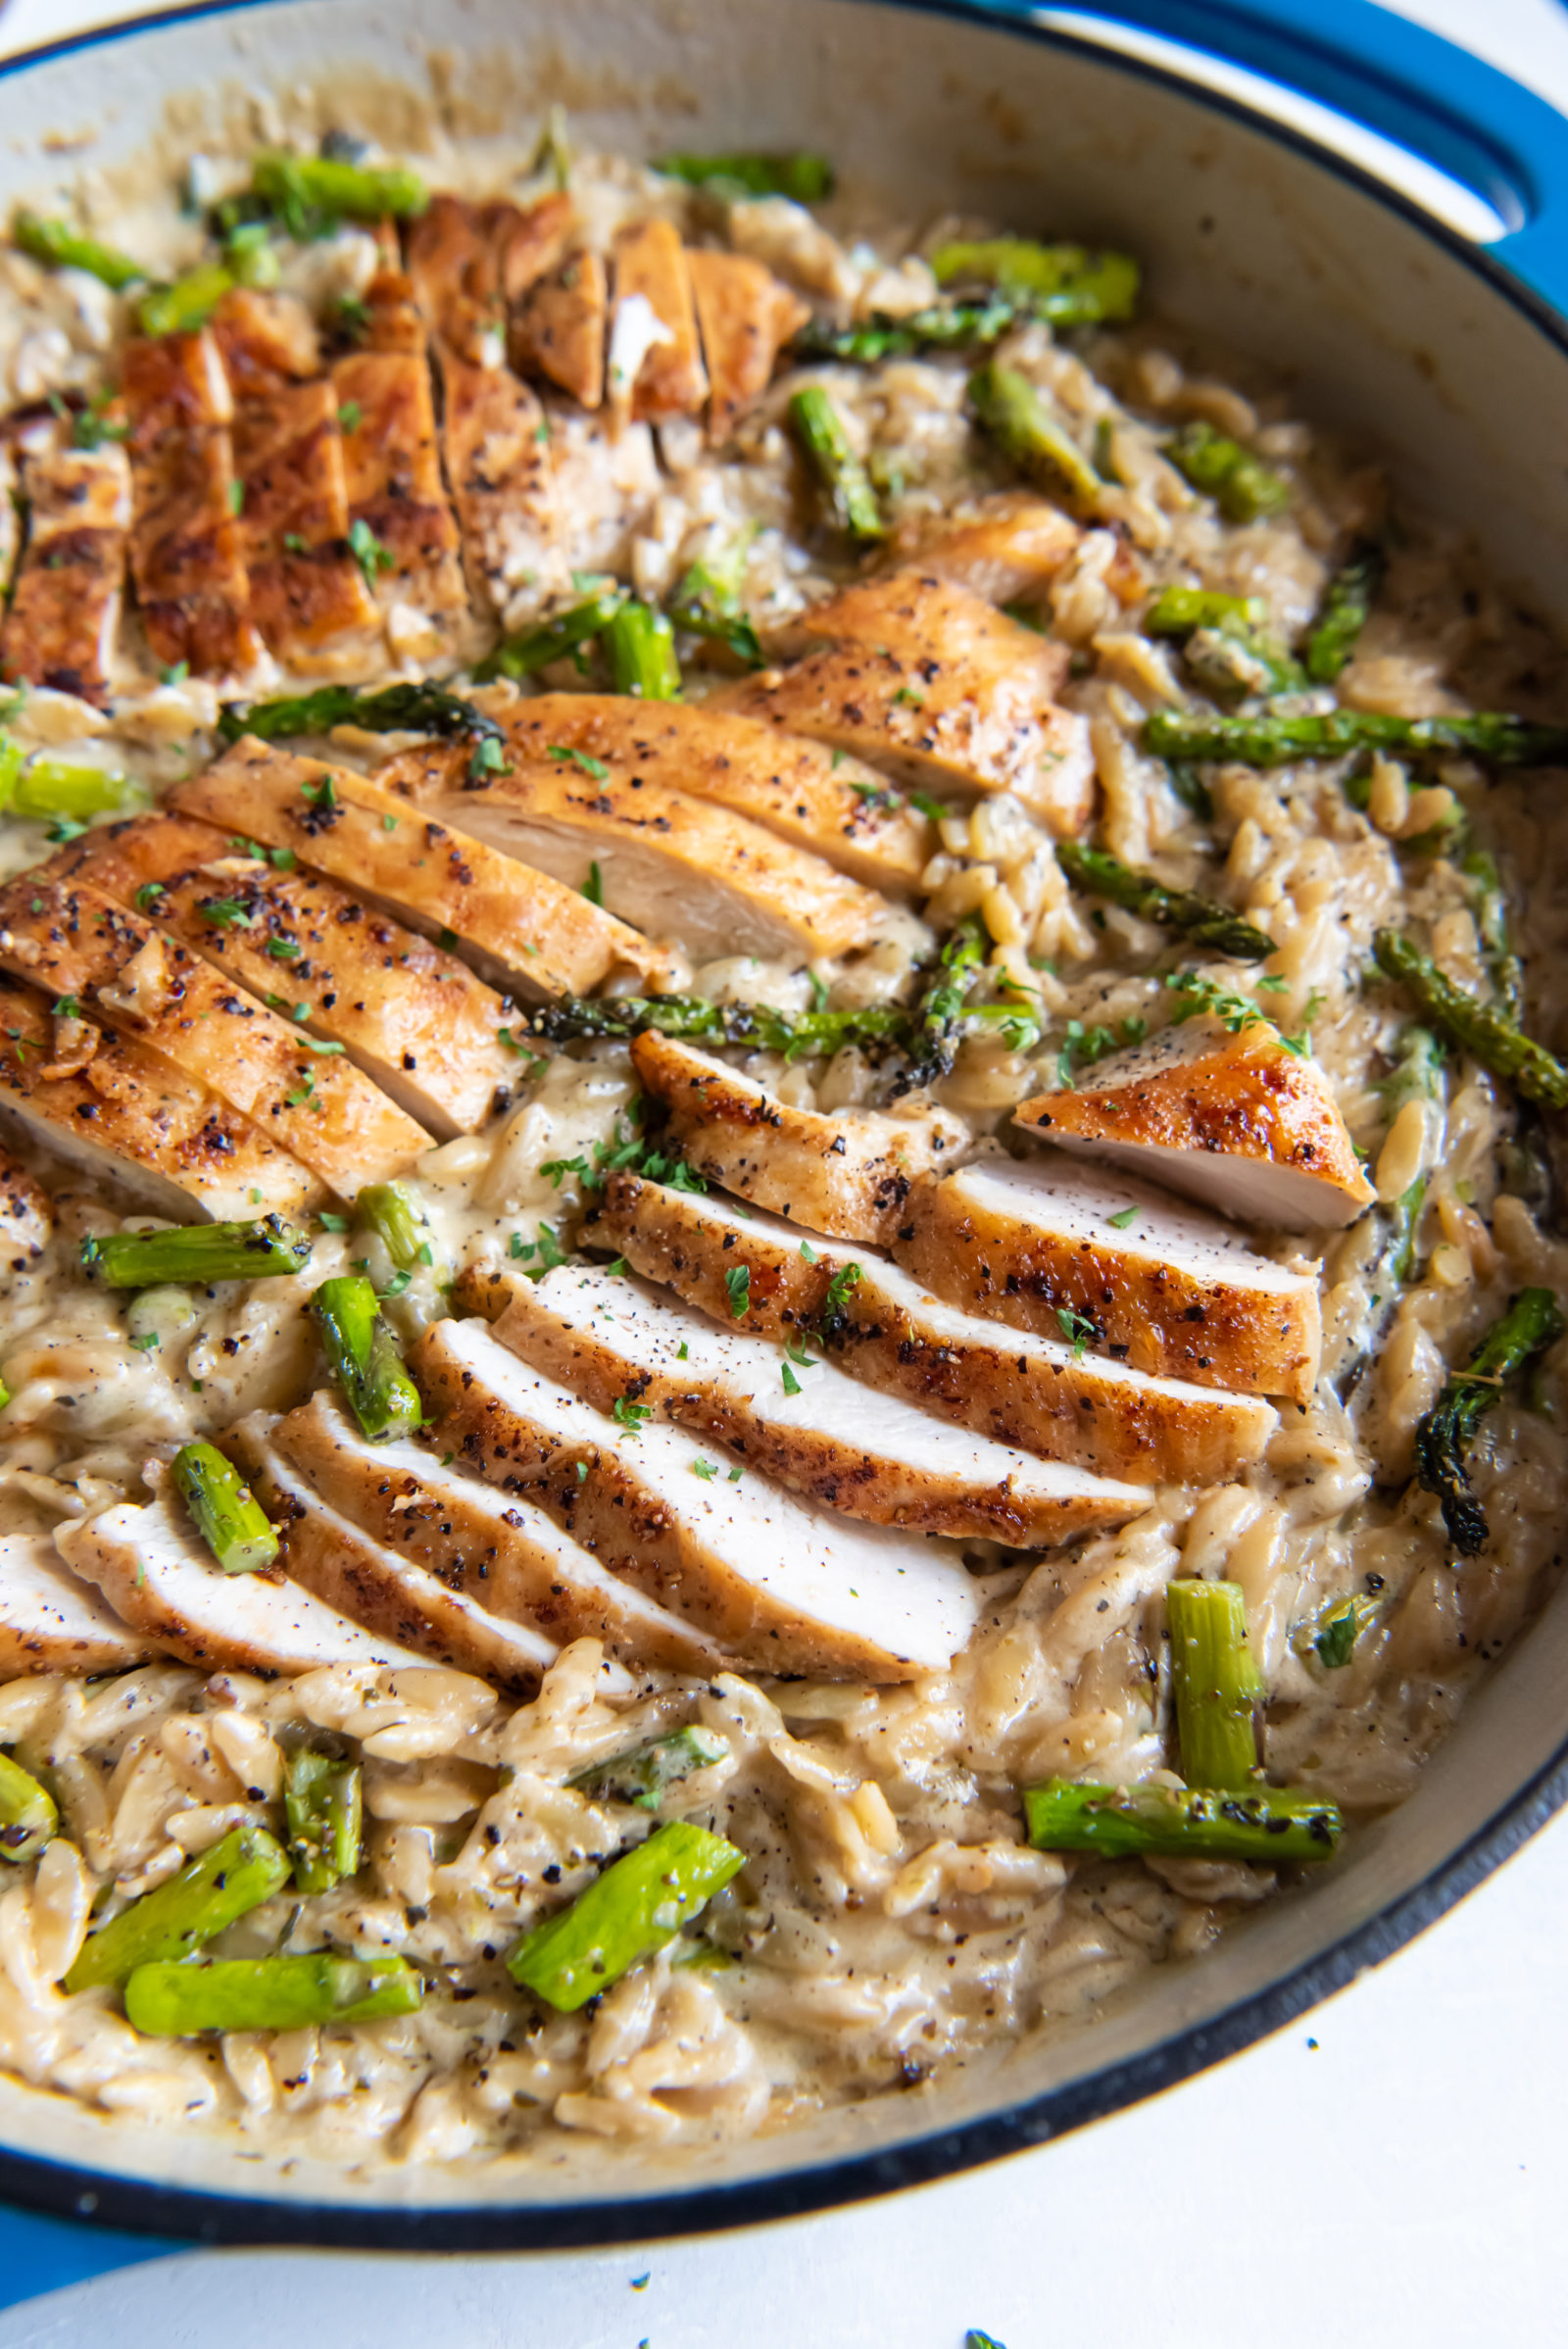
{"points": [[1048, 1398], [848, 1172], [415, 1019], [1053, 1245], [937, 687], [127, 1116], [186, 550], [27, 1217], [520, 928], [775, 1584], [65, 608], [655, 319], [746, 317], [122, 970], [1006, 547], [671, 865], [559, 330], [468, 261], [815, 799], [52, 1622], [1241, 1123], [797, 1418]]}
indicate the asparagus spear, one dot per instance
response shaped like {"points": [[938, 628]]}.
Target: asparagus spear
{"points": [[1445, 1436], [271, 1993], [1020, 422], [1241, 484], [1343, 612], [699, 1021], [399, 1222], [936, 1025], [195, 1254], [1224, 643], [708, 602], [1483, 1030], [423, 709], [640, 647], [1181, 1823], [41, 788], [203, 1899], [1064, 283], [61, 247], [1215, 1683], [323, 1800], [519, 657], [804, 178], [364, 1358], [1277, 738], [1490, 910], [818, 428], [1181, 610], [646, 1774], [229, 1519], [639, 1903], [187, 302], [942, 326], [28, 1818], [297, 184], [1202, 918]]}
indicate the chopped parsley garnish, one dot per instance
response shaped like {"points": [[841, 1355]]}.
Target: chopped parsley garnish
{"points": [[369, 551], [792, 1384], [1128, 1215], [237, 497], [735, 1475], [349, 415], [594, 769], [630, 1416], [592, 889], [395, 1287], [706, 1469], [738, 1286], [488, 758], [330, 1222], [284, 949], [1077, 1329]]}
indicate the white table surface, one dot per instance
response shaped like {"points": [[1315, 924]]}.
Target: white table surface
{"points": [[1391, 2170]]}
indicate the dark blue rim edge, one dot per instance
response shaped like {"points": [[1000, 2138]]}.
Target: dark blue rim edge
{"points": [[200, 2219]]}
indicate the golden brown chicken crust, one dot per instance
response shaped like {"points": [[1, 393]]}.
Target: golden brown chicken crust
{"points": [[187, 548], [65, 609], [746, 317], [26, 1216], [650, 259], [559, 331], [1006, 547]]}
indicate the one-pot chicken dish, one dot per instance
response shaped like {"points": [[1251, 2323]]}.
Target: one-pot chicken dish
{"points": [[780, 1272]]}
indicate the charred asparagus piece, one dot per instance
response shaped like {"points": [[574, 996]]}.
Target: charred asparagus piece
{"points": [[323, 1801], [1242, 485], [1343, 612], [824, 443], [363, 1355], [1215, 1683], [1065, 284], [270, 1993], [804, 178], [300, 184], [1445, 1436], [423, 709], [228, 1517], [640, 647], [1202, 919], [194, 1254], [639, 1903], [936, 1027], [646, 1774], [517, 657], [1019, 420], [1181, 1823], [28, 1818], [1490, 910], [61, 247], [1224, 643], [203, 1899], [942, 326], [1483, 1030], [1278, 738], [392, 1212]]}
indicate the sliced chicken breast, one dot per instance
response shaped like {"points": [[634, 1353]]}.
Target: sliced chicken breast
{"points": [[123, 1114], [26, 1211], [559, 330], [52, 1622], [652, 275], [819, 801], [1038, 1394], [480, 1544], [416, 1020], [520, 929], [849, 1173], [1239, 1123], [775, 1584], [937, 688], [1052, 1244], [1006, 547], [397, 500], [795, 1416], [746, 317], [65, 609], [159, 1577], [186, 547]]}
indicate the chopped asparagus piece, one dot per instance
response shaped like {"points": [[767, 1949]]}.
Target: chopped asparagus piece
{"points": [[823, 442], [1490, 910], [423, 709], [361, 1353], [41, 788], [639, 1903], [203, 1899], [195, 1254], [1215, 1683], [1226, 649], [936, 1025], [1202, 919], [1338, 1627], [229, 1519], [708, 602], [1277, 738], [1064, 283], [271, 1993], [1406, 1220], [1197, 1823], [944, 326], [1180, 610], [1419, 1074], [188, 303], [1445, 1436], [298, 183], [640, 647], [399, 1222], [1019, 420], [60, 247], [517, 657], [1343, 612], [1483, 1030], [1242, 485], [323, 1800], [646, 1774], [28, 1818], [804, 178]]}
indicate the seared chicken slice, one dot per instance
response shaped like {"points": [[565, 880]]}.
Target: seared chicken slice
{"points": [[849, 1173], [50, 1622], [126, 1116], [134, 978], [418, 1023], [674, 867], [1008, 546], [186, 550], [813, 797], [826, 1436], [397, 500], [467, 261], [1238, 1122], [937, 687], [656, 362], [773, 1583], [26, 1211], [746, 317], [520, 928], [559, 330], [480, 1544], [1035, 1394], [160, 1577], [65, 608], [1052, 1245]]}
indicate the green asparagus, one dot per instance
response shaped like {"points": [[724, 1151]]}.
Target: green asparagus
{"points": [[1181, 1823], [1180, 611], [229, 1519], [61, 247], [1490, 907], [519, 657], [1064, 283], [200, 1900], [323, 1800], [271, 1993], [1277, 738], [1343, 612], [1224, 642], [1445, 1436], [392, 1212], [824, 443], [646, 1774], [1020, 421], [805, 178], [708, 602], [1483, 1030], [640, 648], [1242, 485], [364, 1358], [28, 1818], [942, 326], [1215, 1684], [639, 1903], [188, 303], [192, 1255], [1406, 1218], [1203, 920], [1419, 1072], [41, 789], [424, 709], [298, 184], [1334, 1635], [936, 1024]]}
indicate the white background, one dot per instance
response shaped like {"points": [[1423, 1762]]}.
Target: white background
{"points": [[1392, 2170]]}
